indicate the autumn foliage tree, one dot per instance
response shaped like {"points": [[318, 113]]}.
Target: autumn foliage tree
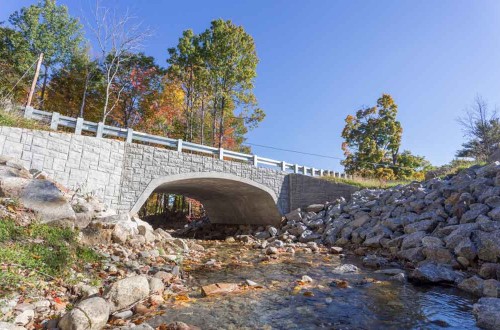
{"points": [[372, 139], [216, 71]]}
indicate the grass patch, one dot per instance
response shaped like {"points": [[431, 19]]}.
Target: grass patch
{"points": [[39, 252], [15, 118], [365, 183]]}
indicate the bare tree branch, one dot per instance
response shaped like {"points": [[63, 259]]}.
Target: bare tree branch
{"points": [[118, 36]]}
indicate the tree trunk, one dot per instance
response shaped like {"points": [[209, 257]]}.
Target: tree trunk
{"points": [[42, 95], [84, 96], [221, 124], [202, 120]]}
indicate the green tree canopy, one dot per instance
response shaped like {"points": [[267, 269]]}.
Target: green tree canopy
{"points": [[372, 138], [45, 28], [481, 126]]}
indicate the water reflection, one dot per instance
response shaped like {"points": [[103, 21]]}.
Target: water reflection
{"points": [[371, 302]]}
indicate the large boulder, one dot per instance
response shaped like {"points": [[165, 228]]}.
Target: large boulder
{"points": [[487, 313], [435, 273], [123, 230], [11, 167], [473, 284], [488, 245], [48, 202], [12, 186], [90, 314], [126, 292]]}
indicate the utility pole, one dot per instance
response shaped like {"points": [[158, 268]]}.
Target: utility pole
{"points": [[35, 79]]}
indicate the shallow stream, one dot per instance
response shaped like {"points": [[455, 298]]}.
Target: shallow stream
{"points": [[370, 301]]}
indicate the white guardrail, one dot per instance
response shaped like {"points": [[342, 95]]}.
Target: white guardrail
{"points": [[129, 135]]}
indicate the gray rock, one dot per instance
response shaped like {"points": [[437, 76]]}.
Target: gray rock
{"points": [[272, 231], [308, 236], [360, 219], [488, 245], [473, 285], [458, 233], [439, 255], [489, 170], [495, 214], [43, 197], [127, 291], [123, 315], [493, 201], [390, 271], [412, 255], [431, 241], [466, 249], [90, 314], [156, 285], [476, 210], [490, 270], [82, 220], [315, 208], [413, 240], [24, 317], [486, 312], [423, 225], [294, 215], [345, 268], [372, 261], [123, 230], [401, 277], [435, 273], [10, 326], [491, 288], [374, 241], [143, 326], [12, 186], [271, 250]]}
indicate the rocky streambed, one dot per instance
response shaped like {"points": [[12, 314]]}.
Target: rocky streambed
{"points": [[305, 289], [425, 255]]}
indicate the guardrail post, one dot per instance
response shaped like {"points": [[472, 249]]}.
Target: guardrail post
{"points": [[304, 170], [321, 172], [179, 145], [295, 168], [283, 166], [255, 161], [130, 135], [54, 122], [221, 153], [312, 171], [79, 126], [100, 129], [28, 112]]}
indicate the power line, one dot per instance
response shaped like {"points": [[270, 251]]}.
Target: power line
{"points": [[10, 92], [323, 156], [294, 151]]}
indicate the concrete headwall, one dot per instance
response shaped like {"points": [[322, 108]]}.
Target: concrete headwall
{"points": [[94, 165], [306, 190]]}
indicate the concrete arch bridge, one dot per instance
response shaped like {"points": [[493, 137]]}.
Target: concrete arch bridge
{"points": [[125, 174]]}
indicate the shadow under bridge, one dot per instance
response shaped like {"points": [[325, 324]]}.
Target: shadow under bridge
{"points": [[227, 198]]}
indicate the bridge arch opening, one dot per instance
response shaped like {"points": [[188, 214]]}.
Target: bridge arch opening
{"points": [[226, 198]]}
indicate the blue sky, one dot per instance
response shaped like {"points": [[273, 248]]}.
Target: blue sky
{"points": [[322, 60]]}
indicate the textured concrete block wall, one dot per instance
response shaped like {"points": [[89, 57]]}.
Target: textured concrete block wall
{"points": [[116, 171], [305, 190], [94, 165], [143, 164]]}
